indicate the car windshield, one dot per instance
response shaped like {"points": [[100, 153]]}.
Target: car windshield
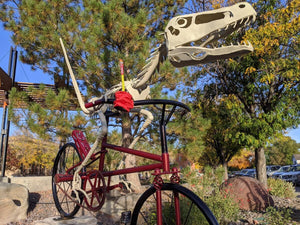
{"points": [[296, 168], [285, 169], [272, 168], [249, 171]]}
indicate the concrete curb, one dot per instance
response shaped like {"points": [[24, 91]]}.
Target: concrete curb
{"points": [[33, 184]]}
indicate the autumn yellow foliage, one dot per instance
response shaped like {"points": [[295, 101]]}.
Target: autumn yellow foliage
{"points": [[243, 160], [31, 151]]}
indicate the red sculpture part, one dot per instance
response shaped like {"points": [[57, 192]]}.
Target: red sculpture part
{"points": [[81, 143], [123, 101]]}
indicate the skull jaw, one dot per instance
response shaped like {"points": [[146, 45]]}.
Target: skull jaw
{"points": [[188, 56]]}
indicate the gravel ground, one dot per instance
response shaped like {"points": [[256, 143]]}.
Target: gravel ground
{"points": [[42, 206]]}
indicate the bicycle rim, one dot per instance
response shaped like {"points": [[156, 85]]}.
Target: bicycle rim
{"points": [[192, 210], [66, 158]]}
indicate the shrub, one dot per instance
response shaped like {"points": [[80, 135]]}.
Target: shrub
{"points": [[222, 206], [278, 216], [281, 188], [207, 188]]}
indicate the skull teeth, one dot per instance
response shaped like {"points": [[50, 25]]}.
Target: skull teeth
{"points": [[237, 25]]}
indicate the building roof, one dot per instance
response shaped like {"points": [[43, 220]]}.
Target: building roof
{"points": [[297, 156], [6, 85]]}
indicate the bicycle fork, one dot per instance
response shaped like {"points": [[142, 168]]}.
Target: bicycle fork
{"points": [[158, 183], [159, 207]]}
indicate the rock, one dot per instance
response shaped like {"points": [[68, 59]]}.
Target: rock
{"points": [[14, 202], [82, 220], [249, 193], [115, 206]]}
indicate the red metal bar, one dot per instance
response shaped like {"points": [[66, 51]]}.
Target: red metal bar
{"points": [[177, 208], [69, 177], [63, 178], [91, 104], [159, 207], [133, 152], [132, 170], [166, 162]]}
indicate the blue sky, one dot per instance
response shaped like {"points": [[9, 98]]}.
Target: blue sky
{"points": [[25, 74]]}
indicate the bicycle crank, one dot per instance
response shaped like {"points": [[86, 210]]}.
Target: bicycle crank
{"points": [[95, 188]]}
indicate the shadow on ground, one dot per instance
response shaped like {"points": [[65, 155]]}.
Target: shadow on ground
{"points": [[33, 200]]}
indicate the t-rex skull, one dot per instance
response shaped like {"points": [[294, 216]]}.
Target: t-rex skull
{"points": [[189, 37]]}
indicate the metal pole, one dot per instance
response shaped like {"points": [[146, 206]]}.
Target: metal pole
{"points": [[2, 133], [12, 74], [5, 112]]}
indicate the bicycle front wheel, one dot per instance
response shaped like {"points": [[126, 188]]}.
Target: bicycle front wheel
{"points": [[65, 166], [189, 209]]}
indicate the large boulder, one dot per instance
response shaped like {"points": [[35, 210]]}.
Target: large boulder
{"points": [[14, 202], [249, 193]]}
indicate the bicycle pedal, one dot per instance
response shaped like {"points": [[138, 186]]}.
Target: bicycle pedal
{"points": [[126, 217]]}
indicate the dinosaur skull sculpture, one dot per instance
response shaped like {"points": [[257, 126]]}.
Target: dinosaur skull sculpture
{"points": [[190, 38]]}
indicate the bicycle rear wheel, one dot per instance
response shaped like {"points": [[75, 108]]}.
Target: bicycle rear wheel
{"points": [[192, 210], [66, 160]]}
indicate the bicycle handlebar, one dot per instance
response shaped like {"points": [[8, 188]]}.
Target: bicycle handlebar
{"points": [[140, 102]]}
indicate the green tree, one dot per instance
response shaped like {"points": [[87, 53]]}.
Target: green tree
{"points": [[266, 82], [223, 139], [187, 134], [97, 34], [49, 118], [281, 150]]}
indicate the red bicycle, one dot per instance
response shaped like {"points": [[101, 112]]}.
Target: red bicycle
{"points": [[75, 185]]}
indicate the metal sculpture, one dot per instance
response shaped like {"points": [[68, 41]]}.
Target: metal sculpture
{"points": [[189, 40]]}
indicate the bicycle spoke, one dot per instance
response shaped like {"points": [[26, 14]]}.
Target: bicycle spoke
{"points": [[190, 211], [187, 216], [67, 157]]}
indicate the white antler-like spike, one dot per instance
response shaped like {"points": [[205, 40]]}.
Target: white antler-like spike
{"points": [[74, 81]]}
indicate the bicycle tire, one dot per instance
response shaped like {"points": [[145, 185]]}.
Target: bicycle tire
{"points": [[192, 209], [67, 157]]}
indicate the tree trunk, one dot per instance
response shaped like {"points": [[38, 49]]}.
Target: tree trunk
{"points": [[130, 160], [225, 170], [260, 163]]}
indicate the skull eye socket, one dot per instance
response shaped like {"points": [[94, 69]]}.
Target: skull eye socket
{"points": [[242, 6], [184, 22]]}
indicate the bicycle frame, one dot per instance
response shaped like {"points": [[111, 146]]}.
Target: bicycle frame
{"points": [[88, 156], [162, 159], [162, 165]]}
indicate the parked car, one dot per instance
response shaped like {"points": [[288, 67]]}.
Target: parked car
{"points": [[271, 169], [250, 173], [298, 180], [242, 172], [291, 175], [233, 174], [282, 170]]}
